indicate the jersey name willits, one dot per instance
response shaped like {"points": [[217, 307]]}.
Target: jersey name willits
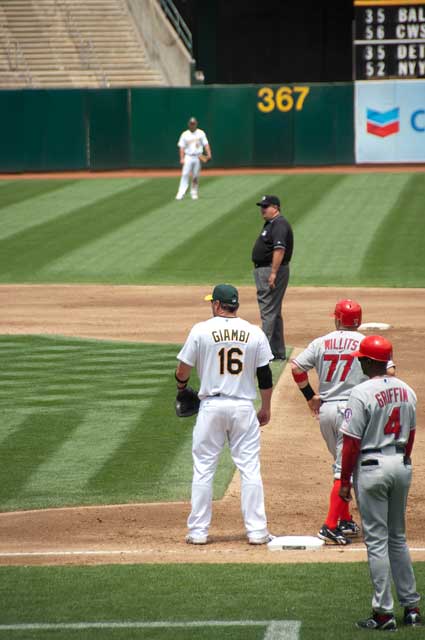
{"points": [[341, 344], [391, 395], [230, 335]]}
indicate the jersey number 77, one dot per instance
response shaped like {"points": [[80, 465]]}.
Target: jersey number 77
{"points": [[334, 359]]}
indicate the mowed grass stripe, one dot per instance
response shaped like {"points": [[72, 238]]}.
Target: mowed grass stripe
{"points": [[147, 237], [332, 241], [85, 425], [127, 253], [80, 457], [17, 192], [25, 253], [399, 240], [222, 251], [37, 438], [47, 200]]}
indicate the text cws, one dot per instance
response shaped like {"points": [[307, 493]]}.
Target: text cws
{"points": [[283, 99], [392, 395], [230, 335], [390, 41]]}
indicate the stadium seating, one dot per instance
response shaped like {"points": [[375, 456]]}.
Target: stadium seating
{"points": [[72, 43]]}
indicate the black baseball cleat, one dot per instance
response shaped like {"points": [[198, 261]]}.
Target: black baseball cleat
{"points": [[349, 527], [378, 622], [412, 617], [333, 535]]}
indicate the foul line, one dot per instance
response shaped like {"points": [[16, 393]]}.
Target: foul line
{"points": [[114, 552], [276, 629]]}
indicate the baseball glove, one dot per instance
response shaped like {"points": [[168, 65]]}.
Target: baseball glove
{"points": [[203, 157], [187, 403]]}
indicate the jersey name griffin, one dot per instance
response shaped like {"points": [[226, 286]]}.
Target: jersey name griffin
{"points": [[391, 395], [230, 335]]}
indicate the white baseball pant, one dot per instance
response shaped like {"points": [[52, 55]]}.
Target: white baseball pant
{"points": [[222, 419], [191, 165]]}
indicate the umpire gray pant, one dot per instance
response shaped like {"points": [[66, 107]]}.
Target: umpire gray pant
{"points": [[270, 304]]}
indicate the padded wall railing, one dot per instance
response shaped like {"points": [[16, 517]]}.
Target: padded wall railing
{"points": [[248, 126]]}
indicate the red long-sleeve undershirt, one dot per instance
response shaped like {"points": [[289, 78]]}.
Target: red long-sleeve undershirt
{"points": [[409, 444], [350, 453]]}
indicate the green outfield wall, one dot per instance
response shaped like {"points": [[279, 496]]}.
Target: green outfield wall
{"points": [[247, 126]]}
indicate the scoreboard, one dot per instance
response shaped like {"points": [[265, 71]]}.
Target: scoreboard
{"points": [[389, 39]]}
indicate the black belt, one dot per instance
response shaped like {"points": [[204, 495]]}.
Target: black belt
{"points": [[397, 450], [257, 265]]}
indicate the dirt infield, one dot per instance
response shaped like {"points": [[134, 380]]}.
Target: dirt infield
{"points": [[296, 465]]}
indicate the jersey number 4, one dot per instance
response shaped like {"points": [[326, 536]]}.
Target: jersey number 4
{"points": [[229, 360], [393, 423], [334, 359]]}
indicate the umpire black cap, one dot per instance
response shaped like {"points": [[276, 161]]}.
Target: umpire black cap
{"points": [[269, 200]]}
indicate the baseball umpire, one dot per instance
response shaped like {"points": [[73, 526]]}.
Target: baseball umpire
{"points": [[271, 255], [378, 436], [229, 354]]}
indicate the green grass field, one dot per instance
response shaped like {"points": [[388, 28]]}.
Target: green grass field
{"points": [[160, 602], [92, 422], [348, 229]]}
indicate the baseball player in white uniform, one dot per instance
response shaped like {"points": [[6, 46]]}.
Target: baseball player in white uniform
{"points": [[192, 143], [378, 435], [229, 354], [338, 371]]}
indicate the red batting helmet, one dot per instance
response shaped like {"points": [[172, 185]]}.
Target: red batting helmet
{"points": [[349, 313], [375, 348]]}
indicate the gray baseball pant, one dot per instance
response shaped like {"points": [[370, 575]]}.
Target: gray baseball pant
{"points": [[270, 305], [381, 491]]}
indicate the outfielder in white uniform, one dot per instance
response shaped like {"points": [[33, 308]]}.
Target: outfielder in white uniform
{"points": [[338, 371], [378, 435], [229, 354], [192, 144]]}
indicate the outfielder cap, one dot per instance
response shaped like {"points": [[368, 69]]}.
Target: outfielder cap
{"points": [[226, 293], [193, 119], [375, 348], [267, 200], [349, 312]]}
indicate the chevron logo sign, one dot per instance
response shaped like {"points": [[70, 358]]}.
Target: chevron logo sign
{"points": [[383, 123]]}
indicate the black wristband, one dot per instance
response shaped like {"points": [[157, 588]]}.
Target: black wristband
{"points": [[307, 392], [181, 381]]}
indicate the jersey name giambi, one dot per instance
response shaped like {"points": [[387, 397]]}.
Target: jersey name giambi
{"points": [[392, 395], [230, 335]]}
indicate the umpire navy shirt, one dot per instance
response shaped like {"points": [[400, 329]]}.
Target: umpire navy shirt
{"points": [[276, 234]]}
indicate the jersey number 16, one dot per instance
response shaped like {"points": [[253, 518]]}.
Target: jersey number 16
{"points": [[229, 362]]}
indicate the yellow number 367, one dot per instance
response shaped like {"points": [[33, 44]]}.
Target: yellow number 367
{"points": [[283, 99]]}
